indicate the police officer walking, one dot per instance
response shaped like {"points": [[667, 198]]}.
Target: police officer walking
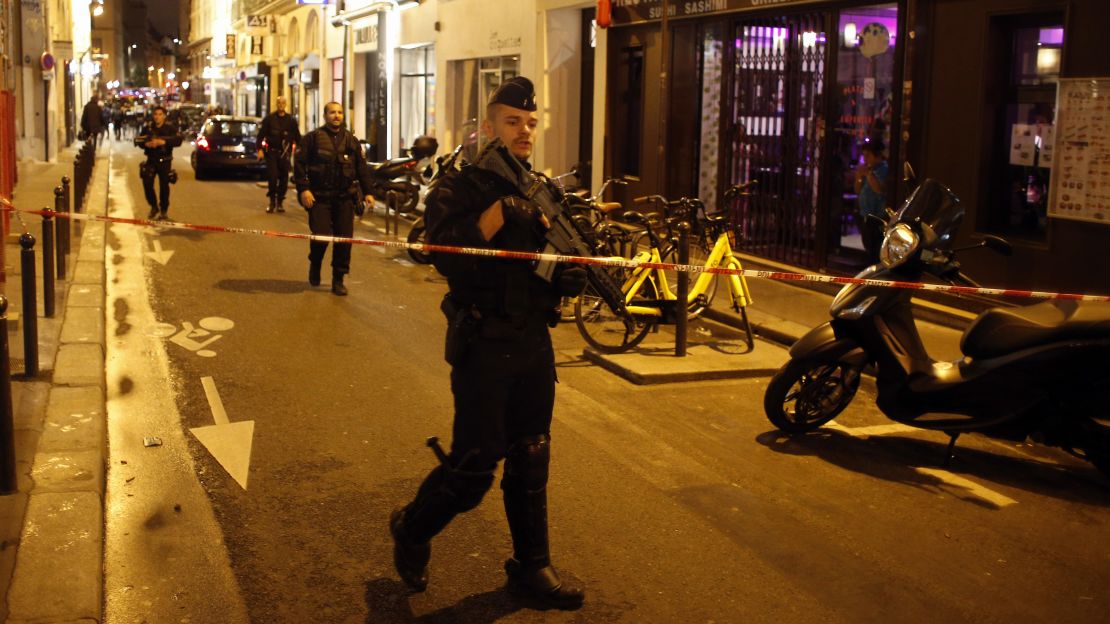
{"points": [[280, 132], [158, 138], [503, 367], [331, 177]]}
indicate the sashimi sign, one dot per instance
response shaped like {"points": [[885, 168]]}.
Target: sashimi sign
{"points": [[638, 11]]}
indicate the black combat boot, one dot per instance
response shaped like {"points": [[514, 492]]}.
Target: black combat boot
{"points": [[313, 273], [337, 286], [280, 204], [273, 203], [153, 213], [446, 492], [162, 216], [409, 557], [530, 573]]}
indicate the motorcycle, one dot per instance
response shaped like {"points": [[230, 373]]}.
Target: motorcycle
{"points": [[1037, 371]]}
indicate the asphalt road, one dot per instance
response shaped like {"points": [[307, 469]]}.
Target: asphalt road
{"points": [[674, 503]]}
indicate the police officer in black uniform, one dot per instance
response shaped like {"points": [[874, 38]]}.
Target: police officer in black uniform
{"points": [[158, 138], [280, 132], [332, 178], [503, 367]]}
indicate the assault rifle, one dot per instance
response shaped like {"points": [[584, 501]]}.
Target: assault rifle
{"points": [[563, 237]]}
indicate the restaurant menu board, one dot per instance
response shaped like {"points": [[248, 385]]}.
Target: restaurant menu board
{"points": [[1081, 167]]}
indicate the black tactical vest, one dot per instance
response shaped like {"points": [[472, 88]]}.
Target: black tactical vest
{"points": [[329, 170]]}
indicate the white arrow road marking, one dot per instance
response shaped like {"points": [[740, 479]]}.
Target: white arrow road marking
{"points": [[159, 255], [876, 430], [228, 442], [973, 488]]}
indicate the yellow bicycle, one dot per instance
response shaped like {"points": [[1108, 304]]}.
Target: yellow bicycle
{"points": [[649, 299]]}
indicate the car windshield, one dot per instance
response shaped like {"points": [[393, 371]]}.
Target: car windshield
{"points": [[232, 128]]}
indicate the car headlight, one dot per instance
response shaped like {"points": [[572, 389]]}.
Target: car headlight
{"points": [[898, 246]]}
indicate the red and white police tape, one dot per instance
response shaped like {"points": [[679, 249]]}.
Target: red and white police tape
{"points": [[616, 262]]}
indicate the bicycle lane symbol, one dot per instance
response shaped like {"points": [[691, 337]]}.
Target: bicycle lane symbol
{"points": [[191, 337]]}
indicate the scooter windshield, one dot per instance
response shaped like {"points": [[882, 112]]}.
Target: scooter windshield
{"points": [[935, 205]]}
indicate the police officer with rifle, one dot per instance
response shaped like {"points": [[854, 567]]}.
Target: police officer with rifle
{"points": [[499, 348], [332, 181], [158, 138], [279, 133]]}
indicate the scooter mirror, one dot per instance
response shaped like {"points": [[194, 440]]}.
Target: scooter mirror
{"points": [[908, 174], [1000, 245]]}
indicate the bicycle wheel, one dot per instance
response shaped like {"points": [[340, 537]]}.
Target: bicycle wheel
{"points": [[604, 329]]}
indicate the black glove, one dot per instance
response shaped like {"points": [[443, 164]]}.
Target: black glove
{"points": [[360, 207], [571, 281], [520, 211]]}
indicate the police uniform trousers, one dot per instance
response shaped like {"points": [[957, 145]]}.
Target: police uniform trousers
{"points": [[161, 169], [332, 215], [277, 170], [504, 389]]}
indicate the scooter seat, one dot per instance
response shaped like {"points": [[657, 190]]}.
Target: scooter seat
{"points": [[393, 162], [1000, 331]]}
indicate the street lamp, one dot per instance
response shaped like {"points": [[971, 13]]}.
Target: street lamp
{"points": [[97, 7]]}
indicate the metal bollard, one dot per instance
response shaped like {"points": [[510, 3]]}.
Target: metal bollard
{"points": [[48, 265], [30, 307], [8, 484], [62, 225], [61, 230], [78, 191], [683, 290], [392, 204]]}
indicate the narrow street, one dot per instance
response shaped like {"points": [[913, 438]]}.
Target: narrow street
{"points": [[670, 503]]}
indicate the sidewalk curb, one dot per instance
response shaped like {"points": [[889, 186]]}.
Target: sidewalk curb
{"points": [[58, 565]]}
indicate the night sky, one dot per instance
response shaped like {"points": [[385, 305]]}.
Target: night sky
{"points": [[163, 14]]}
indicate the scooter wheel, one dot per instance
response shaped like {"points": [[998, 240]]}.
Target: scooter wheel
{"points": [[806, 394], [418, 234]]}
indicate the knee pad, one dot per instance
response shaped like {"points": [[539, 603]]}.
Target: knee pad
{"points": [[526, 463]]}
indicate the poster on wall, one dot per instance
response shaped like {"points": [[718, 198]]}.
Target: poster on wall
{"points": [[1081, 156]]}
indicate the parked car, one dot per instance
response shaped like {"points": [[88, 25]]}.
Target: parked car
{"points": [[187, 118], [227, 143]]}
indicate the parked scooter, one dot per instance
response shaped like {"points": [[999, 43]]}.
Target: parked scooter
{"points": [[1035, 372], [403, 175], [418, 233]]}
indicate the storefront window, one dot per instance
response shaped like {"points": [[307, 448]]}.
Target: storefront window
{"points": [[1028, 50], [418, 94], [864, 98], [471, 82], [631, 106]]}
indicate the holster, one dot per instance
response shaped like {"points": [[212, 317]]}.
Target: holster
{"points": [[356, 197], [462, 328], [146, 170], [172, 176]]}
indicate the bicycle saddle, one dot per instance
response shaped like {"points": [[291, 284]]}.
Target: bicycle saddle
{"points": [[1000, 331], [608, 207], [633, 216]]}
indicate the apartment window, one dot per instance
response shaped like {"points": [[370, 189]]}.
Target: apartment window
{"points": [[337, 82]]}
